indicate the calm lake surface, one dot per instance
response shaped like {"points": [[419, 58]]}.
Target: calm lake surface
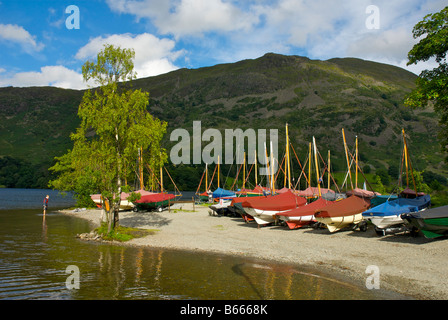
{"points": [[35, 252]]}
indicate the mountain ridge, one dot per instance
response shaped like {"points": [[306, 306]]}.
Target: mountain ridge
{"points": [[316, 98]]}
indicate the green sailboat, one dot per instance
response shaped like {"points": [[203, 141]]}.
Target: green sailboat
{"points": [[433, 223]]}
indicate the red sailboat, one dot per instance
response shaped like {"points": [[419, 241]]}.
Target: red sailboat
{"points": [[304, 215], [264, 209]]}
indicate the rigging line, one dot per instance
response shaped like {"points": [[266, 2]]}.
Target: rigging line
{"points": [[166, 170], [280, 167], [301, 167], [359, 168], [326, 169], [200, 182], [211, 180], [250, 170], [236, 179], [154, 175]]}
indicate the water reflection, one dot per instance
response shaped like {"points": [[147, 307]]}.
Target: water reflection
{"points": [[35, 251]]}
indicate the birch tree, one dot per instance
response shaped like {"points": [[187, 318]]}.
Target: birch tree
{"points": [[115, 123]]}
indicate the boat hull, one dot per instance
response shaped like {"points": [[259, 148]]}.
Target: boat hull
{"points": [[153, 202], [385, 221], [343, 213], [221, 208], [297, 222], [149, 206], [124, 204], [238, 209], [388, 214], [262, 217], [431, 227], [337, 223]]}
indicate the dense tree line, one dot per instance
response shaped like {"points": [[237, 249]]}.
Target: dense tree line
{"points": [[18, 173]]}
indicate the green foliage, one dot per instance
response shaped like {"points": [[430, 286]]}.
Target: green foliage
{"points": [[115, 123], [122, 234], [317, 98], [432, 85]]}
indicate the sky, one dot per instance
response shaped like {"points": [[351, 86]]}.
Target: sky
{"points": [[46, 42]]}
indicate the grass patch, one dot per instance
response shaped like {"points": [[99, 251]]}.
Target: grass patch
{"points": [[123, 234]]}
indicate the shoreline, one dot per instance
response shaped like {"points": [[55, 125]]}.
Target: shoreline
{"points": [[414, 267]]}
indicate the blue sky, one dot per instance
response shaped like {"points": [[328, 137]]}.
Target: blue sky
{"points": [[37, 48]]}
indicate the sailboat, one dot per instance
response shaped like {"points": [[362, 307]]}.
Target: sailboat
{"points": [[388, 214], [304, 215], [345, 212], [153, 200], [265, 208], [433, 223]]}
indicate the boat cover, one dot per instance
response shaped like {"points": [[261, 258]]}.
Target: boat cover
{"points": [[222, 193], [242, 199], [362, 193], [314, 192], [345, 207], [156, 197], [399, 206], [435, 213], [279, 202], [410, 193], [123, 196], [380, 199], [307, 210], [262, 190]]}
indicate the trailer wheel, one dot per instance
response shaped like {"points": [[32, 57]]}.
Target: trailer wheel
{"points": [[380, 232], [135, 209], [363, 226], [414, 232], [159, 209]]}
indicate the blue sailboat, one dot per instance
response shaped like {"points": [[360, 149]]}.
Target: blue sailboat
{"points": [[389, 213]]}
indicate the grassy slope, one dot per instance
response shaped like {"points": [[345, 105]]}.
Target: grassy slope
{"points": [[316, 98]]}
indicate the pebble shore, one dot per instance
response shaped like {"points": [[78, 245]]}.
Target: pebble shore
{"points": [[412, 266]]}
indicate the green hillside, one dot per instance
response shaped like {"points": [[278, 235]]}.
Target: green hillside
{"points": [[316, 98]]}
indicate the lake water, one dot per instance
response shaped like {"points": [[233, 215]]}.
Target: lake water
{"points": [[40, 257]]}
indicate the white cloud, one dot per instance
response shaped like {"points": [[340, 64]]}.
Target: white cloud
{"points": [[153, 56], [56, 76], [188, 17], [17, 34], [319, 29]]}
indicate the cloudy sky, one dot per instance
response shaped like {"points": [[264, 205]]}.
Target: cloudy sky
{"points": [[46, 42]]}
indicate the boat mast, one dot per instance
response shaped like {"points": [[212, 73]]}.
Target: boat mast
{"points": [[256, 170], [356, 168], [329, 164], [287, 158], [206, 178], [244, 170], [268, 169], [406, 154], [348, 161], [272, 168], [218, 171], [161, 179], [309, 166], [140, 161], [317, 167]]}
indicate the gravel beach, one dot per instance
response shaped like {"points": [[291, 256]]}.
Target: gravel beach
{"points": [[415, 267]]}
